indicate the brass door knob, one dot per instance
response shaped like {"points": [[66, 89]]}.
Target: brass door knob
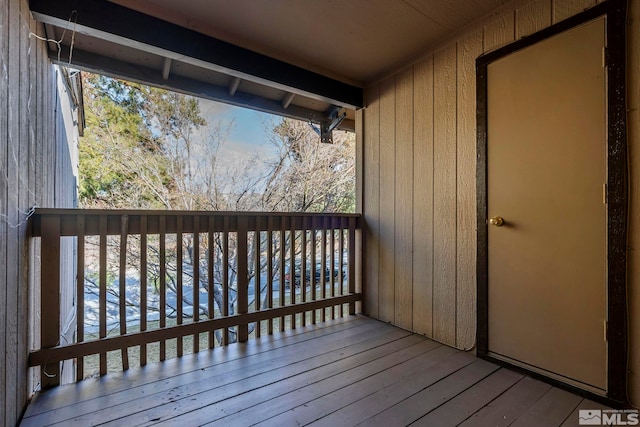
{"points": [[498, 221]]}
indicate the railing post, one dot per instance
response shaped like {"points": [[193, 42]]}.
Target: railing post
{"points": [[50, 296], [243, 276], [352, 262]]}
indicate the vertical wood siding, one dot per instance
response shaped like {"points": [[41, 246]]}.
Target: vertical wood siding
{"points": [[29, 160], [419, 178], [422, 209]]}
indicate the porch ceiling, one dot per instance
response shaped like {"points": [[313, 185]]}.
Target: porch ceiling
{"points": [[290, 57]]}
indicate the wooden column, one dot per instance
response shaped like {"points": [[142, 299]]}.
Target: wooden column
{"points": [[50, 298]]}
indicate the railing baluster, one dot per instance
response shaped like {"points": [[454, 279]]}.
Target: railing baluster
{"points": [[179, 279], [163, 283], [313, 267], [341, 262], [242, 276], [283, 252], [323, 267], [332, 263], [225, 276], [143, 285], [352, 262], [196, 279], [303, 265], [103, 290], [80, 294], [257, 283], [124, 231], [270, 271], [292, 256], [210, 281]]}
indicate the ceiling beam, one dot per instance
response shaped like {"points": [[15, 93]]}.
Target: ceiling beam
{"points": [[118, 24], [119, 69], [287, 100], [166, 68]]}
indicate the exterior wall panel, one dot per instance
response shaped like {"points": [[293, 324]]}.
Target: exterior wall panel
{"points": [[443, 240], [31, 160]]}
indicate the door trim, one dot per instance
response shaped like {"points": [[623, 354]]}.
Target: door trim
{"points": [[617, 188]]}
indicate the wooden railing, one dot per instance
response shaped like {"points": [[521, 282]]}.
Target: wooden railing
{"points": [[153, 281]]}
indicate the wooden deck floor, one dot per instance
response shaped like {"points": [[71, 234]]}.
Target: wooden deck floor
{"points": [[341, 373]]}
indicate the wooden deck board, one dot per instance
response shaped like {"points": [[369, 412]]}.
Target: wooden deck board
{"points": [[226, 378], [204, 399], [269, 401], [506, 408], [441, 388], [341, 372], [96, 388], [471, 400], [554, 408]]}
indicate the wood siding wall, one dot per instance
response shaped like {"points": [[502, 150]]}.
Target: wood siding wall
{"points": [[32, 158], [419, 195]]}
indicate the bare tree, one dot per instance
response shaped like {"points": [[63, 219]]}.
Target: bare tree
{"points": [[149, 148]]}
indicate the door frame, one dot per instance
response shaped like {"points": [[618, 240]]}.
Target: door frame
{"points": [[617, 194]]}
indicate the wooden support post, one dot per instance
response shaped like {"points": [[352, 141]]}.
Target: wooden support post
{"points": [[243, 276], [50, 298], [80, 295]]}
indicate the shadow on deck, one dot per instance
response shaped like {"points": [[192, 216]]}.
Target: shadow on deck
{"points": [[343, 372]]}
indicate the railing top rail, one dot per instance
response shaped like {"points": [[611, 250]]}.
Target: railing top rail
{"points": [[208, 220], [120, 212]]}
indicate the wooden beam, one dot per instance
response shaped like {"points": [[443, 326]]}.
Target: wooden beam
{"points": [[94, 63], [117, 24], [286, 101], [166, 68], [50, 299], [69, 226], [233, 87]]}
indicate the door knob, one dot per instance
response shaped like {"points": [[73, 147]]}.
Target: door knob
{"points": [[498, 221]]}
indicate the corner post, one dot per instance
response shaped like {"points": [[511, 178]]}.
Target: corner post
{"points": [[50, 296]]}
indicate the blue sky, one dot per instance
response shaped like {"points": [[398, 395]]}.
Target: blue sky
{"points": [[248, 133]]}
